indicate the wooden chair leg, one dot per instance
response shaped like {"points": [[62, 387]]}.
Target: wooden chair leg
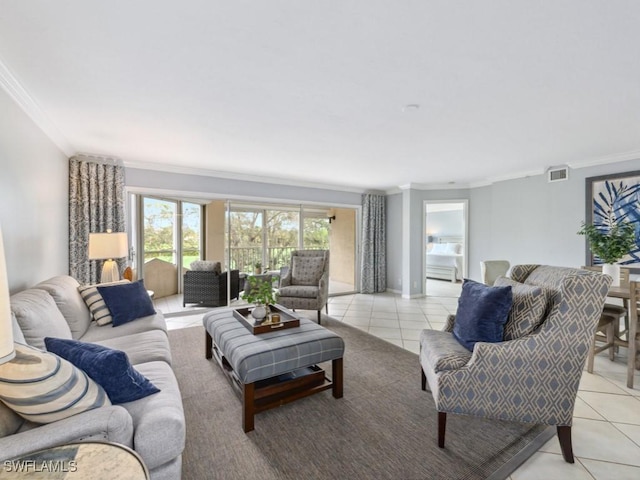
{"points": [[424, 379], [592, 354], [564, 436], [208, 345], [610, 331], [319, 316], [442, 425]]}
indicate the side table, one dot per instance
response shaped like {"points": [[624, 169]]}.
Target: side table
{"points": [[77, 461]]}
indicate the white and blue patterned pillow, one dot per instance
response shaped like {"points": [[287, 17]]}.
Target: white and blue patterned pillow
{"points": [[43, 388], [95, 302]]}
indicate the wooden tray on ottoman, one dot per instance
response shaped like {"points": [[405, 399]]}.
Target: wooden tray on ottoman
{"points": [[287, 320]]}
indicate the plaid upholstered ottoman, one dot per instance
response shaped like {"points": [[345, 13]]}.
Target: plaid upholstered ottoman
{"points": [[274, 368]]}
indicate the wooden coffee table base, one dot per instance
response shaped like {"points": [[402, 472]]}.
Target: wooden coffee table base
{"points": [[276, 391]]}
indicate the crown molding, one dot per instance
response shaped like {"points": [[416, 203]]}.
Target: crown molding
{"points": [[19, 94], [607, 159], [240, 176]]}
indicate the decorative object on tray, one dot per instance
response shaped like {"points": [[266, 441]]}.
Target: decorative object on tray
{"points": [[610, 244], [257, 268], [280, 318], [261, 294]]}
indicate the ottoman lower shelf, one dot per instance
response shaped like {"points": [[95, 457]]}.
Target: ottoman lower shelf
{"points": [[276, 391]]}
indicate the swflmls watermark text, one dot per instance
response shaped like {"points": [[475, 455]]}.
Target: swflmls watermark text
{"points": [[27, 466]]}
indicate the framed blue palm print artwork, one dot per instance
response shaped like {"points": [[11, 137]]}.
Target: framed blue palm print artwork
{"points": [[614, 199]]}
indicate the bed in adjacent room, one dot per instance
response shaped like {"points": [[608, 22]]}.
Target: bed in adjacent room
{"points": [[445, 259]]}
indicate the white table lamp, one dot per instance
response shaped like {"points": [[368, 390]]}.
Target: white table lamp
{"points": [[107, 246], [7, 351]]}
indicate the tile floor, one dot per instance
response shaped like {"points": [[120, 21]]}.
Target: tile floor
{"points": [[606, 428]]}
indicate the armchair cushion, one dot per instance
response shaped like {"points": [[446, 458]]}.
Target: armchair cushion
{"points": [[303, 291], [528, 309], [206, 266], [442, 351], [306, 270], [482, 313]]}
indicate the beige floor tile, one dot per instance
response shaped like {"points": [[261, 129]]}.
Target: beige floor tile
{"points": [[385, 315], [608, 471], [412, 346], [386, 333], [631, 431], [591, 382], [582, 410], [614, 408], [419, 325], [597, 440], [395, 341], [549, 466], [410, 334], [385, 322], [356, 321]]}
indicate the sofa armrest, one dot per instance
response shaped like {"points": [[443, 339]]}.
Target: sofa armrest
{"points": [[111, 424]]}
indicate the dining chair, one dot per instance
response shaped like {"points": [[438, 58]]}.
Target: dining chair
{"points": [[633, 341]]}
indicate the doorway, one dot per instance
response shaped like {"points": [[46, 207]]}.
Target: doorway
{"points": [[445, 246]]}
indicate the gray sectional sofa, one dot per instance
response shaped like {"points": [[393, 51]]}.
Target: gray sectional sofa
{"points": [[154, 426]]}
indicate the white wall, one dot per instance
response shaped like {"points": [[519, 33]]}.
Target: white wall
{"points": [[33, 199]]}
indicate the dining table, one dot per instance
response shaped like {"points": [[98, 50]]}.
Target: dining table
{"points": [[633, 359]]}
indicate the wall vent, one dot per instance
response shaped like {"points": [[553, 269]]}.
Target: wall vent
{"points": [[558, 174]]}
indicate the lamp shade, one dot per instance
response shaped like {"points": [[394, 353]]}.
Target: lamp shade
{"points": [[6, 329], [107, 245]]}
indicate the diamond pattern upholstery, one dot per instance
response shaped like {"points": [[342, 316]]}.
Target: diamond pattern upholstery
{"points": [[534, 378], [311, 267]]}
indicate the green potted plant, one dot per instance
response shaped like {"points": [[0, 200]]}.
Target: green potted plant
{"points": [[257, 268], [610, 246], [259, 292]]}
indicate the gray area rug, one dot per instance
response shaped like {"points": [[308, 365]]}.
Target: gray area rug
{"points": [[385, 427]]}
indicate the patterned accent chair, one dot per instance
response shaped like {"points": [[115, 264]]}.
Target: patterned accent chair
{"points": [[306, 283], [533, 375], [206, 285]]}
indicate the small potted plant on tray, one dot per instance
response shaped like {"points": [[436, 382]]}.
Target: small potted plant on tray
{"points": [[259, 292], [610, 246]]}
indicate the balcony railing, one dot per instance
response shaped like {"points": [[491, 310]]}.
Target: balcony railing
{"points": [[244, 258]]}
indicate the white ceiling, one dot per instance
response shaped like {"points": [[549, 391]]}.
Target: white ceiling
{"points": [[315, 91]]}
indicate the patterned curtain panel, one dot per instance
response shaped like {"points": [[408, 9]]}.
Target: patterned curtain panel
{"points": [[96, 203], [374, 252]]}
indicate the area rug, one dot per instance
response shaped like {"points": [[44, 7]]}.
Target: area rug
{"points": [[385, 426]]}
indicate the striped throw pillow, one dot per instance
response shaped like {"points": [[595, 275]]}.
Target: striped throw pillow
{"points": [[94, 301], [43, 388]]}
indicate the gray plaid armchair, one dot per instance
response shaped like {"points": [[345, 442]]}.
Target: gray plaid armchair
{"points": [[306, 283], [533, 375]]}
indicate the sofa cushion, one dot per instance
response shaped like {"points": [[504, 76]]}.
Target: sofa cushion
{"points": [[45, 388], [108, 367], [528, 309], [442, 351], [482, 313], [159, 419], [98, 334], [94, 301], [38, 316], [127, 302], [64, 290], [142, 347], [18, 336], [306, 270], [10, 421]]}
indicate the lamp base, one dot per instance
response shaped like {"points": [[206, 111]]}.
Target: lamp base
{"points": [[110, 272]]}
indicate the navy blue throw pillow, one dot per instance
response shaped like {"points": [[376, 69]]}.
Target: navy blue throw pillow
{"points": [[127, 301], [482, 313], [107, 367]]}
